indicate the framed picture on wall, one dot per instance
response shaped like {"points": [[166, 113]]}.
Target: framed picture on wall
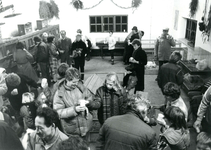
{"points": [[176, 19]]}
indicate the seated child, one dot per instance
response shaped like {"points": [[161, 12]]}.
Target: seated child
{"points": [[203, 141]]}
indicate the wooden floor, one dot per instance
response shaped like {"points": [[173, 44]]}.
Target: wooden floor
{"points": [[103, 66]]}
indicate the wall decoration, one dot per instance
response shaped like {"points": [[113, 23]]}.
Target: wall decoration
{"points": [[135, 4], [205, 25], [48, 10], [176, 19], [193, 7], [78, 4]]}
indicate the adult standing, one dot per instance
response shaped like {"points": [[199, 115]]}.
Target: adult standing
{"points": [[45, 37], [8, 138], [170, 72], [138, 60], [68, 103], [203, 120], [79, 51], [111, 45], [23, 59], [64, 47], [53, 57], [129, 50], [42, 58], [129, 131], [110, 99], [162, 49]]}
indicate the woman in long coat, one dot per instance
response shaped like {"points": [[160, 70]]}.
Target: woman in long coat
{"points": [[23, 59], [53, 57], [139, 60]]}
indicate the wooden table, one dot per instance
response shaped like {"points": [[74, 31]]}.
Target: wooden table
{"points": [[102, 45]]}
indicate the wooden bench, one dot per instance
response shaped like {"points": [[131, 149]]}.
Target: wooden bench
{"points": [[147, 44]]}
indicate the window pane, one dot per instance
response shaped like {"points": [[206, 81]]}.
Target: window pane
{"points": [[99, 28], [98, 19], [124, 28], [118, 19], [92, 20], [124, 19], [105, 20], [111, 27], [110, 19], [193, 26], [93, 29], [105, 27], [118, 28]]}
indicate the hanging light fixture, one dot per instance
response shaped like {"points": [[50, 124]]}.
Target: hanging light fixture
{"points": [[2, 9], [13, 14]]}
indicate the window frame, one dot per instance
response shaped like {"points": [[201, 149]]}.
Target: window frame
{"points": [[108, 23], [189, 30]]}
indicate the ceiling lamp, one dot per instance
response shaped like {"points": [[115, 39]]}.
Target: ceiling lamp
{"points": [[2, 9], [13, 14]]}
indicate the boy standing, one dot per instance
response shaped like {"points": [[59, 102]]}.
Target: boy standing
{"points": [[111, 45]]}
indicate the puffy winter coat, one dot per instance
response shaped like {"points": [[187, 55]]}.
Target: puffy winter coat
{"points": [[65, 100]]}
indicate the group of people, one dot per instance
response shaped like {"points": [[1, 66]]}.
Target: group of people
{"points": [[47, 53], [60, 116], [170, 77]]}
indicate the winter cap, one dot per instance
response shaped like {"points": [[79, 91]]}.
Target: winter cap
{"points": [[165, 29], [135, 28]]}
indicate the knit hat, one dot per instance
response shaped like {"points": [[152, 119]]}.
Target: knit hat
{"points": [[166, 29]]}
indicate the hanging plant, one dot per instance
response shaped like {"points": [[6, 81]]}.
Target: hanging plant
{"points": [[136, 3], [48, 10], [77, 4], [193, 7], [44, 10], [54, 9], [205, 26]]}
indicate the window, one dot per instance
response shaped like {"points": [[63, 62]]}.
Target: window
{"points": [[191, 31], [106, 23]]}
